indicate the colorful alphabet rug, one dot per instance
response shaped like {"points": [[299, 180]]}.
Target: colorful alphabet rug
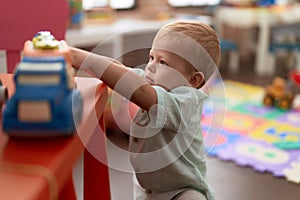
{"points": [[239, 128]]}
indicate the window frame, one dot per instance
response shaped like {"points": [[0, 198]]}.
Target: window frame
{"points": [[189, 4]]}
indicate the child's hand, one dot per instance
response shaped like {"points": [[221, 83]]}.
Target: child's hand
{"points": [[77, 57]]}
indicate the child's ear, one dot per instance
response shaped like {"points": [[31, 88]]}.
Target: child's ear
{"points": [[197, 79]]}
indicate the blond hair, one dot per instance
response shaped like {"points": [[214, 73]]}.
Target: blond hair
{"points": [[203, 34]]}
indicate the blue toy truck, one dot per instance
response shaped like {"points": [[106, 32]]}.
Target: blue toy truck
{"points": [[45, 102]]}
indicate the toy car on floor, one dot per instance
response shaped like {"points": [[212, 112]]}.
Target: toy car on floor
{"points": [[276, 95]]}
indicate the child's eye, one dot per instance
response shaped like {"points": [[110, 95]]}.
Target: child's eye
{"points": [[151, 57], [163, 62]]}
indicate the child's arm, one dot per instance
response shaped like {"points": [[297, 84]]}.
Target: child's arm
{"points": [[116, 76]]}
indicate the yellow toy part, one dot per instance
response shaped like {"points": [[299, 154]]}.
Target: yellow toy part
{"points": [[44, 40]]}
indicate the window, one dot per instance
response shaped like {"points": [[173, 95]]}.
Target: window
{"points": [[124, 4], [88, 4], [187, 3], [115, 4]]}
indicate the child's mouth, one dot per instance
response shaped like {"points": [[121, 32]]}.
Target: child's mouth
{"points": [[149, 80]]}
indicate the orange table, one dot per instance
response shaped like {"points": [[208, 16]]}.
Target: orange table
{"points": [[35, 169]]}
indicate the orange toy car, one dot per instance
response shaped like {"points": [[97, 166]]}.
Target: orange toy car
{"points": [[276, 95]]}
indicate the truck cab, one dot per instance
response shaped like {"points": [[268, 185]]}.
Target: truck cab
{"points": [[45, 102]]}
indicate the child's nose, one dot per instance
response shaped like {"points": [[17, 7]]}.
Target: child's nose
{"points": [[151, 67]]}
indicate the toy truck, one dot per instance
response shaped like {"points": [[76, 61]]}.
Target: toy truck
{"points": [[276, 95], [46, 102]]}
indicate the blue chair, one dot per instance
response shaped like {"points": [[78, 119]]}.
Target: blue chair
{"points": [[232, 48], [287, 46], [285, 38]]}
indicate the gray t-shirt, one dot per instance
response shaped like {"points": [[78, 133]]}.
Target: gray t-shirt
{"points": [[166, 144]]}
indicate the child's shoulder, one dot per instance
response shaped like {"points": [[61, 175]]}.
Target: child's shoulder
{"points": [[186, 90]]}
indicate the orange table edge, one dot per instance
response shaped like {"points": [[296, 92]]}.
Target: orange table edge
{"points": [[42, 168]]}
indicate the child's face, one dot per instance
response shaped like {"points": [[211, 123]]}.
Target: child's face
{"points": [[167, 70]]}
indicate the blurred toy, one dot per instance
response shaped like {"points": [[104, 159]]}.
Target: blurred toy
{"points": [[45, 102], [276, 95], [75, 13], [296, 77]]}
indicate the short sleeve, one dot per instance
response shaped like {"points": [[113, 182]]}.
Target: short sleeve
{"points": [[175, 108]]}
